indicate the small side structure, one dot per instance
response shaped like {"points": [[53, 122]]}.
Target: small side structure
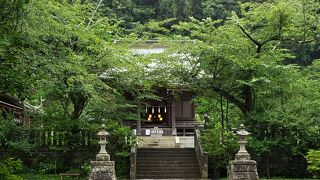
{"points": [[102, 168], [10, 105], [242, 168]]}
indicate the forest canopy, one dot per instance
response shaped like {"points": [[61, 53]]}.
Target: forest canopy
{"points": [[250, 62]]}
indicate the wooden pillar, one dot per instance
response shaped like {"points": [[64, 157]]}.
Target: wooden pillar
{"points": [[173, 117], [139, 120]]}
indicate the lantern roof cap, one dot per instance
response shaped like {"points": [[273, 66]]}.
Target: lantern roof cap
{"points": [[242, 131], [103, 131]]}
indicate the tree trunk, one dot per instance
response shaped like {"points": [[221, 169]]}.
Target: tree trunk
{"points": [[268, 165], [227, 118], [222, 119]]}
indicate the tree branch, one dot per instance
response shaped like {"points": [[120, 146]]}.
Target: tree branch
{"points": [[94, 13], [302, 41], [256, 42], [230, 98]]}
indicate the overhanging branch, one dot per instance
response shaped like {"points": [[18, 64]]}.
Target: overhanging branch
{"points": [[258, 43], [230, 98]]}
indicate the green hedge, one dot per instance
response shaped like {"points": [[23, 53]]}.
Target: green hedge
{"points": [[313, 159]]}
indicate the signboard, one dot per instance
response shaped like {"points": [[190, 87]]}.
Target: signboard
{"points": [[156, 131]]}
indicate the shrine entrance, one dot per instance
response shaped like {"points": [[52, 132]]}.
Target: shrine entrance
{"points": [[156, 116], [172, 113]]}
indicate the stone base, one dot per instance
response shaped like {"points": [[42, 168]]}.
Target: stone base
{"points": [[242, 170], [242, 156], [102, 170], [103, 157]]}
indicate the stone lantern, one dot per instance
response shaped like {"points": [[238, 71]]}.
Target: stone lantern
{"points": [[242, 168], [242, 153], [102, 168], [103, 154]]}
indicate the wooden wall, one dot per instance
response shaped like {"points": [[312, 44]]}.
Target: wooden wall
{"points": [[185, 107]]}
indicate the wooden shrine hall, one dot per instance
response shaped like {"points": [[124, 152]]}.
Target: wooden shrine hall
{"points": [[173, 115]]}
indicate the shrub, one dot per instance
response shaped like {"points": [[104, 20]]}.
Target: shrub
{"points": [[313, 159], [85, 169], [49, 167], [219, 154], [8, 167]]}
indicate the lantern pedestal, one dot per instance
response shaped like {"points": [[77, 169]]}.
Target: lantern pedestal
{"points": [[242, 168], [103, 157], [242, 153], [102, 168]]}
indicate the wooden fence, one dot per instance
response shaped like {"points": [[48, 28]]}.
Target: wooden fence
{"points": [[42, 138], [58, 138]]}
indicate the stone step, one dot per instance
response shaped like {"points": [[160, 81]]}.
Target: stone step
{"points": [[166, 142], [158, 140], [167, 163], [169, 176], [173, 150], [166, 150], [163, 154], [172, 172], [189, 157], [160, 146], [146, 165], [165, 158], [174, 179], [166, 153], [162, 166], [150, 157], [161, 173], [155, 142], [193, 169], [158, 156], [163, 139]]}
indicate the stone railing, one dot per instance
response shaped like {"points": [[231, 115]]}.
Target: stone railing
{"points": [[133, 160], [201, 154]]}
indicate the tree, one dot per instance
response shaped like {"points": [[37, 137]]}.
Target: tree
{"points": [[17, 67], [244, 61], [57, 51], [217, 9]]}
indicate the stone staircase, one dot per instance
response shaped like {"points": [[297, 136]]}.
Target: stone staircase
{"points": [[167, 163], [166, 142], [157, 142]]}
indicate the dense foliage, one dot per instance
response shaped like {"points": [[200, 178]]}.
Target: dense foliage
{"points": [[250, 62], [313, 158], [9, 167]]}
